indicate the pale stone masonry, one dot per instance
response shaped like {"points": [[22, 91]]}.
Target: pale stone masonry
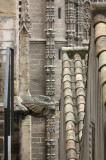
{"points": [[38, 138], [37, 30]]}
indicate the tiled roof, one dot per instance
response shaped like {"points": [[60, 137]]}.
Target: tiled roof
{"points": [[74, 80]]}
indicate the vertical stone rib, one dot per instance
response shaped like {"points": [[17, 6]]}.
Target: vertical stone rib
{"points": [[24, 34], [100, 38], [80, 96], [69, 112], [70, 22], [80, 93], [50, 138], [50, 49]]}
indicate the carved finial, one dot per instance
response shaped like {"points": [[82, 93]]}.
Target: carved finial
{"points": [[24, 20]]}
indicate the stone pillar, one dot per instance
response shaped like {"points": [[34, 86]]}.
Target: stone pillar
{"points": [[24, 24], [50, 49], [24, 64], [70, 22], [50, 138], [25, 134], [100, 39]]}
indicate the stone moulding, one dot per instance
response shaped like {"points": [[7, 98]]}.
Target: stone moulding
{"points": [[50, 138], [78, 19], [24, 20], [50, 49]]}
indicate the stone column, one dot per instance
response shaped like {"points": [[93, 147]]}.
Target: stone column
{"points": [[24, 35], [25, 134], [100, 39]]}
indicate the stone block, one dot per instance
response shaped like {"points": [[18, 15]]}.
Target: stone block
{"points": [[39, 135], [7, 23], [34, 140], [7, 8], [7, 35]]}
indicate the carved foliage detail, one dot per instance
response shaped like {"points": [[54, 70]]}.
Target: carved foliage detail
{"points": [[78, 20], [86, 19]]}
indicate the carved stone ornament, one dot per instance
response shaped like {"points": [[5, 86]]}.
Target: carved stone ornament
{"points": [[50, 138], [24, 20], [78, 20], [50, 49]]}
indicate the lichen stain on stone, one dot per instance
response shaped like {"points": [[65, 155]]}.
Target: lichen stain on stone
{"points": [[7, 13]]}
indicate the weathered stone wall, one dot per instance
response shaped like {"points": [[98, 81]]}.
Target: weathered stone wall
{"points": [[37, 53], [7, 31], [37, 13], [37, 10], [7, 25], [59, 42], [58, 70], [60, 22], [25, 138], [38, 138], [37, 46], [36, 67]]}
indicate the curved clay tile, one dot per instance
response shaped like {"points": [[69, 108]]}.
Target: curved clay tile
{"points": [[74, 103]]}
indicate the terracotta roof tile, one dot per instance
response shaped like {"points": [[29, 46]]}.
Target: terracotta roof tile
{"points": [[69, 108], [69, 117], [67, 92], [71, 154], [67, 78], [80, 84], [70, 134], [66, 64], [70, 145], [74, 71], [68, 100], [67, 84], [70, 125]]}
